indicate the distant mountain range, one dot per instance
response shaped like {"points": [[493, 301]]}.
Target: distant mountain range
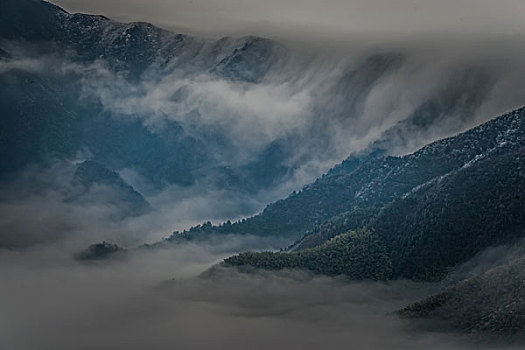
{"points": [[45, 114], [56, 67]]}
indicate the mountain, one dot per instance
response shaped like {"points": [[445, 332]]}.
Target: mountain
{"points": [[91, 176], [492, 303], [428, 228], [448, 222], [132, 47], [358, 187], [47, 114], [68, 81], [358, 254], [503, 134]]}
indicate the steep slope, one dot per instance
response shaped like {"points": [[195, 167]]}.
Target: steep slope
{"points": [[133, 47], [35, 122], [503, 134], [450, 218], [433, 229], [359, 185], [492, 303], [427, 233]]}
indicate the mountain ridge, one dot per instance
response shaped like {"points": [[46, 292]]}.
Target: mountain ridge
{"points": [[357, 184], [440, 223]]}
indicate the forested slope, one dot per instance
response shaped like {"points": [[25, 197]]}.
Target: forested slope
{"points": [[350, 194], [447, 220]]}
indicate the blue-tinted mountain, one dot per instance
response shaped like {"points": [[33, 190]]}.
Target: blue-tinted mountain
{"points": [[45, 115], [89, 175]]}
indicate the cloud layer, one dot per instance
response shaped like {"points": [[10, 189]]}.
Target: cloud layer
{"points": [[332, 21], [64, 305], [319, 109]]}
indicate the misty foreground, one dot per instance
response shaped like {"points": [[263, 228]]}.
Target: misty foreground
{"points": [[50, 302]]}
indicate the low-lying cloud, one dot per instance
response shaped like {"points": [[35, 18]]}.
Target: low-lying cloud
{"points": [[321, 107], [154, 299], [318, 109], [45, 205]]}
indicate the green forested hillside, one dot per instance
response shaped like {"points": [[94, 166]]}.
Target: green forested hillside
{"points": [[431, 230], [357, 254], [364, 185], [351, 220], [450, 220], [443, 222]]}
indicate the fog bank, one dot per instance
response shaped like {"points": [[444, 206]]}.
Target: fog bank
{"points": [[52, 302]]}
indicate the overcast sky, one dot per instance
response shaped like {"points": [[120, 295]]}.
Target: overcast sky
{"points": [[327, 20]]}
